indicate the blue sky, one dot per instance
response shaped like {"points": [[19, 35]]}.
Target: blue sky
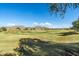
{"points": [[34, 14]]}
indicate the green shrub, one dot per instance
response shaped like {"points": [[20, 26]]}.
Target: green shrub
{"points": [[3, 29]]}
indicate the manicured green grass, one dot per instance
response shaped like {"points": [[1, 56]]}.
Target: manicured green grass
{"points": [[9, 41]]}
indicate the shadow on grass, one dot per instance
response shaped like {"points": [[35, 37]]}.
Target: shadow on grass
{"points": [[37, 47], [67, 33], [7, 54]]}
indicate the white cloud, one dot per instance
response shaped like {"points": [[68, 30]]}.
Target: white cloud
{"points": [[42, 24], [46, 24], [35, 23], [11, 24]]}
